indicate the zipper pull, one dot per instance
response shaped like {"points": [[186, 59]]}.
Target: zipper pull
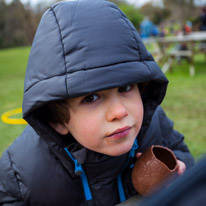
{"points": [[134, 147], [78, 168]]}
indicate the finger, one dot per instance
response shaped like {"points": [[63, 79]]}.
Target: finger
{"points": [[181, 167], [138, 154]]}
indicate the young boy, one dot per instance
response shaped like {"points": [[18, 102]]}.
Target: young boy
{"points": [[91, 99]]}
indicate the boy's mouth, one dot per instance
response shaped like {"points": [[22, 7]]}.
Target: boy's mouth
{"points": [[121, 132]]}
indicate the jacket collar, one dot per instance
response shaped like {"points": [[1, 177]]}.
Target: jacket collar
{"points": [[97, 166]]}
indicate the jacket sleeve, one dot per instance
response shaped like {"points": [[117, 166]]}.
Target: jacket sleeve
{"points": [[9, 189], [173, 139]]}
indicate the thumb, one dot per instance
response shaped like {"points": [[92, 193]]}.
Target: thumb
{"points": [[138, 155]]}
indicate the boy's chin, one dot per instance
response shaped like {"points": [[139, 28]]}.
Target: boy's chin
{"points": [[118, 152]]}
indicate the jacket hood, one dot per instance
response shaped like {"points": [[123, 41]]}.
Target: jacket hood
{"points": [[85, 46]]}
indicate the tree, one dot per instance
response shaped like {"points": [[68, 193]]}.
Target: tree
{"points": [[156, 14], [181, 10], [133, 13], [2, 21], [18, 24]]}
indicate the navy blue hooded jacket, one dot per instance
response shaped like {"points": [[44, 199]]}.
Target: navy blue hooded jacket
{"points": [[81, 47]]}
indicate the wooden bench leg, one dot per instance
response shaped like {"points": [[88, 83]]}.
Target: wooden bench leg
{"points": [[167, 65], [192, 70]]}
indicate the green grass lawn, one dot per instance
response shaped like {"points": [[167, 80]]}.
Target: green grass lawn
{"points": [[12, 70], [185, 102]]}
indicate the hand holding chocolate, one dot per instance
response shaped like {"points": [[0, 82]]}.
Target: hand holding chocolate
{"points": [[152, 168]]}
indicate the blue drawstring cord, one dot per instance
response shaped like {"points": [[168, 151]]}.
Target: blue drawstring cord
{"points": [[79, 171], [119, 178]]}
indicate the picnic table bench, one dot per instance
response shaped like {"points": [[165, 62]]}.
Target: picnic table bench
{"points": [[194, 43]]}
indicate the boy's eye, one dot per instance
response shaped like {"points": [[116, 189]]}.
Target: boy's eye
{"points": [[90, 98], [126, 88]]}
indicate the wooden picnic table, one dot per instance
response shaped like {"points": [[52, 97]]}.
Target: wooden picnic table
{"points": [[193, 42]]}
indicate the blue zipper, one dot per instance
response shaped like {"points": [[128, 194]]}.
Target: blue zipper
{"points": [[79, 171], [119, 178]]}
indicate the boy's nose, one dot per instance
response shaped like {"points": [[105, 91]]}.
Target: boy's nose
{"points": [[116, 111]]}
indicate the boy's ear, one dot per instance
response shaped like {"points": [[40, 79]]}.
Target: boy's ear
{"points": [[60, 128]]}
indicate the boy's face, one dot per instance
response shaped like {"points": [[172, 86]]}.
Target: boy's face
{"points": [[107, 121]]}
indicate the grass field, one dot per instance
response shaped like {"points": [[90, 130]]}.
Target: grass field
{"points": [[185, 102], [12, 70]]}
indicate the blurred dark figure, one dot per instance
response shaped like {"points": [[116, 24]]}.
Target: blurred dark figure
{"points": [[202, 19]]}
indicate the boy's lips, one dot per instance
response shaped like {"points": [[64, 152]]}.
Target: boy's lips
{"points": [[121, 132]]}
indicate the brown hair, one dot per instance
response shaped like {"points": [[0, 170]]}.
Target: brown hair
{"points": [[55, 112]]}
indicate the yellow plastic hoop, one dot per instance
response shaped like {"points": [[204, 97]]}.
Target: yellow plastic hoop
{"points": [[6, 117]]}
